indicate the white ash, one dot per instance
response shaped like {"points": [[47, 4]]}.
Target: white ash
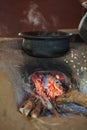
{"points": [[77, 60]]}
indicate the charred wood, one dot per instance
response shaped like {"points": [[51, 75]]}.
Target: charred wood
{"points": [[73, 96]]}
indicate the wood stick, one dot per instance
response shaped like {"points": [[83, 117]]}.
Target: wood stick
{"points": [[36, 111], [55, 113], [28, 105], [26, 108], [74, 96]]}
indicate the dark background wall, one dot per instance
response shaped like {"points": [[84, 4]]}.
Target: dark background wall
{"points": [[31, 15]]}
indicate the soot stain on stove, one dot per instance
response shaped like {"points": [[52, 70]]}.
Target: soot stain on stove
{"points": [[52, 64], [45, 64]]}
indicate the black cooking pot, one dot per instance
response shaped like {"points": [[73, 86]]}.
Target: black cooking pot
{"points": [[45, 44], [83, 24]]}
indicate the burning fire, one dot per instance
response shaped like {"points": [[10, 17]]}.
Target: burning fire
{"points": [[48, 86], [45, 86]]}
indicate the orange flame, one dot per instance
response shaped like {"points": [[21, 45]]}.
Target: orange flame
{"points": [[48, 90], [57, 76]]}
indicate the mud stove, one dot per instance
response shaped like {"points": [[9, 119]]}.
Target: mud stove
{"points": [[46, 79], [40, 83]]}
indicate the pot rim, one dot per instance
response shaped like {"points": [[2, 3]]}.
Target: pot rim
{"points": [[42, 35]]}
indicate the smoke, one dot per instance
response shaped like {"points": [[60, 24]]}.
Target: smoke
{"points": [[3, 29], [54, 20], [35, 17]]}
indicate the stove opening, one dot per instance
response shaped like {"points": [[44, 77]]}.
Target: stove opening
{"points": [[43, 88], [46, 87]]}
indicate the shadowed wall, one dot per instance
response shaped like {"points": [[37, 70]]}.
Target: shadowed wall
{"points": [[31, 15]]}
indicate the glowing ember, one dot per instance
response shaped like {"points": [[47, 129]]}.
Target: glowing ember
{"points": [[57, 76], [47, 85]]}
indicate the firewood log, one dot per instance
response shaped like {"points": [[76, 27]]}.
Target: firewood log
{"points": [[73, 96], [28, 105], [36, 111]]}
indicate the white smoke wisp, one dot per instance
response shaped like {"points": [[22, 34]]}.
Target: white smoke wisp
{"points": [[35, 17], [3, 29]]}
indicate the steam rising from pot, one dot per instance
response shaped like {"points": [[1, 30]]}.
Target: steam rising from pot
{"points": [[35, 17]]}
